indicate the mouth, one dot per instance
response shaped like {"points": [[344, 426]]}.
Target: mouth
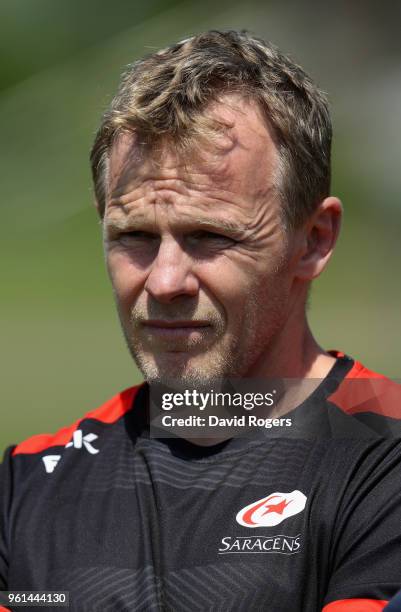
{"points": [[188, 329], [159, 323]]}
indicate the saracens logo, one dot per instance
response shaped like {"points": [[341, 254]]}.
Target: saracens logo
{"points": [[271, 510]]}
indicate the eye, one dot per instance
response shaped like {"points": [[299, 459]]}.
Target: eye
{"points": [[210, 240], [138, 236]]}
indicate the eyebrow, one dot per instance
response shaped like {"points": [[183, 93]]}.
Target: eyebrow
{"points": [[235, 230]]}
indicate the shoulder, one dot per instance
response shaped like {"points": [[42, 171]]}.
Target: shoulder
{"points": [[365, 391], [108, 413]]}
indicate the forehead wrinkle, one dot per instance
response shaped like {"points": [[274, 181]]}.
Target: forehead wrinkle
{"points": [[189, 181], [214, 180], [217, 174], [130, 166], [212, 209], [171, 191], [154, 188]]}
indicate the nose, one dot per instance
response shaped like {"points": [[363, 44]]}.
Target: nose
{"points": [[171, 273]]}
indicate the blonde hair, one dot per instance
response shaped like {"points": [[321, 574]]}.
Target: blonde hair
{"points": [[164, 96]]}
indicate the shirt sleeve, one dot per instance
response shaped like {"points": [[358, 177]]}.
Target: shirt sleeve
{"points": [[366, 546], [5, 501]]}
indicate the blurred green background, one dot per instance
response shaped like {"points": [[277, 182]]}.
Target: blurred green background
{"points": [[62, 349]]}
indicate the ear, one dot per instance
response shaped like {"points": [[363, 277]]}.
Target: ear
{"points": [[320, 236]]}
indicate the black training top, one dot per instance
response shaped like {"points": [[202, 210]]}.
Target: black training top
{"points": [[297, 523]]}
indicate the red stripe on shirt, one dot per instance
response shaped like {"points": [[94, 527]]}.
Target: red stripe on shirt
{"points": [[363, 390], [109, 412], [355, 605]]}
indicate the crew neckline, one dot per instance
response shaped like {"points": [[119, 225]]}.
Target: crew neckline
{"points": [[182, 448]]}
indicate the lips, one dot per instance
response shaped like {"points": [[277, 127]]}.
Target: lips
{"points": [[159, 324], [176, 329]]}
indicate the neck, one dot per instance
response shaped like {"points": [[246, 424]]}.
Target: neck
{"points": [[293, 353]]}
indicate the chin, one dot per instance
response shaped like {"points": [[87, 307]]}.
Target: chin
{"points": [[181, 370]]}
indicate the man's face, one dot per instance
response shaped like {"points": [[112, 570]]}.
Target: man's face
{"points": [[201, 265]]}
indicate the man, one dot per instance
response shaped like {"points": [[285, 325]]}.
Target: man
{"points": [[212, 177]]}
